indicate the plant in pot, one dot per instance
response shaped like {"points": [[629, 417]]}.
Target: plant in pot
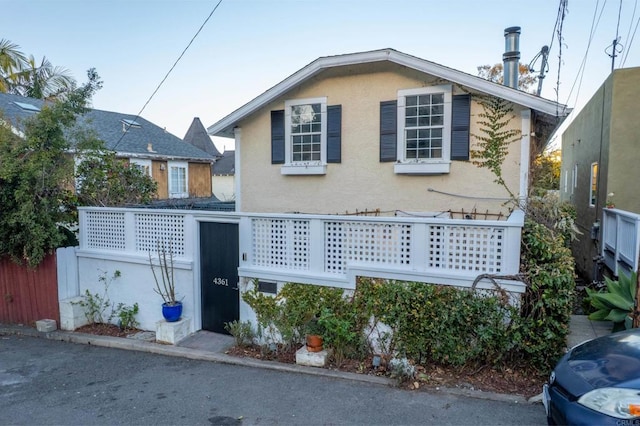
{"points": [[314, 332], [165, 285]]}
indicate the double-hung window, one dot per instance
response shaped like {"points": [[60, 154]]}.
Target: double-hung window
{"points": [[143, 165], [305, 136], [424, 130], [178, 179]]}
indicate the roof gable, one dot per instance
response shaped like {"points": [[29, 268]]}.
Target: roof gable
{"points": [[225, 126]]}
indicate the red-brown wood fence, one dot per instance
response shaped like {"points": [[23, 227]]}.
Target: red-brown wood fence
{"points": [[28, 295]]}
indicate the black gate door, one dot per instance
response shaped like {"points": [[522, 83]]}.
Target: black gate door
{"points": [[219, 275]]}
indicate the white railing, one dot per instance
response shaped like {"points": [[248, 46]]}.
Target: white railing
{"points": [[620, 240], [332, 250], [325, 250]]}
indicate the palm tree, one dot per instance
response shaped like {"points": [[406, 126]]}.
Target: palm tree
{"points": [[44, 81], [12, 60], [22, 76]]}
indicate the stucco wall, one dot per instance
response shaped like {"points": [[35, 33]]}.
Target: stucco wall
{"points": [[360, 181], [136, 285], [623, 172], [224, 187]]}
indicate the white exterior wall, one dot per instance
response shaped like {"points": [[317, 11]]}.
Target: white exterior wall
{"points": [[135, 285], [361, 181], [224, 187]]}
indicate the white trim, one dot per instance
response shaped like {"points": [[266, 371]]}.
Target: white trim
{"points": [[427, 165], [291, 167], [185, 166], [525, 154], [144, 163], [224, 127], [237, 132]]}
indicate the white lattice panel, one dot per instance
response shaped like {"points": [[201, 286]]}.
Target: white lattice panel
{"points": [[281, 243], [373, 243], [335, 243], [466, 248], [105, 230], [152, 227]]}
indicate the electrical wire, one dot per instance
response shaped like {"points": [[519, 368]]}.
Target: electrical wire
{"points": [[582, 68], [470, 197], [630, 36], [171, 69]]}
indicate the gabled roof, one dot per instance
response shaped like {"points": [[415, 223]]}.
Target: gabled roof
{"points": [[226, 165], [225, 126], [127, 134], [198, 137]]}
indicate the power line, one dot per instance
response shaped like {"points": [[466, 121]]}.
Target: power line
{"points": [[616, 41], [582, 68], [171, 69], [630, 39]]}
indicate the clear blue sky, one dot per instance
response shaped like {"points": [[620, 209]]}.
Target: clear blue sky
{"points": [[250, 45]]}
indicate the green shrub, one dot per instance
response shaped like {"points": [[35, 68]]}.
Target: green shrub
{"points": [[542, 327]]}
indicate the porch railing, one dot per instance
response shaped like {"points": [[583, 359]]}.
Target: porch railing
{"points": [[620, 240]]}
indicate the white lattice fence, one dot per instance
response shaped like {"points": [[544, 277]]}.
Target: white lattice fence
{"points": [[133, 231], [281, 243], [466, 248], [366, 243]]}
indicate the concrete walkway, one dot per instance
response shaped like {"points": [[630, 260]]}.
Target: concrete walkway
{"points": [[208, 346]]}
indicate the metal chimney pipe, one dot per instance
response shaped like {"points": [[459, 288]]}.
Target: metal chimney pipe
{"points": [[511, 57]]}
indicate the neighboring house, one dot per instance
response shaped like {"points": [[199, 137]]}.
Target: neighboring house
{"points": [[223, 176], [600, 162], [378, 130], [222, 171], [180, 169]]}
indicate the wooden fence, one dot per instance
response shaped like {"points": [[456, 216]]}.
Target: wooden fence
{"points": [[28, 295]]}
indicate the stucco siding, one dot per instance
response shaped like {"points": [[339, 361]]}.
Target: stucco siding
{"points": [[361, 181], [625, 137], [223, 187]]}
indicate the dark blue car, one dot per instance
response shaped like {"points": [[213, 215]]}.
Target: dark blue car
{"points": [[597, 383]]}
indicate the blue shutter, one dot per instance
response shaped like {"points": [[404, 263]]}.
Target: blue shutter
{"points": [[334, 134], [277, 137], [461, 107], [388, 130]]}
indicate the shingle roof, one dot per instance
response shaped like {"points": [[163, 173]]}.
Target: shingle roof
{"points": [[144, 140], [226, 165], [198, 137]]}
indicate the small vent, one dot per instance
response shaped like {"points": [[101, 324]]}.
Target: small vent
{"points": [[267, 287]]}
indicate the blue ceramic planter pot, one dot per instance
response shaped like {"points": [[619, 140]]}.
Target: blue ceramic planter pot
{"points": [[172, 313]]}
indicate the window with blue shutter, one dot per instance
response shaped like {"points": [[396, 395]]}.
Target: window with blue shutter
{"points": [[460, 120], [334, 134], [388, 131], [277, 137]]}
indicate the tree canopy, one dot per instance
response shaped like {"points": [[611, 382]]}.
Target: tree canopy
{"points": [[37, 196], [495, 73]]}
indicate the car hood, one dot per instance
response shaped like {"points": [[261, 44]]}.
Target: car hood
{"points": [[609, 361]]}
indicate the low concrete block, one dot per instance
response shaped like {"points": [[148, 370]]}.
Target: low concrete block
{"points": [[72, 314], [46, 325], [312, 359], [172, 332]]}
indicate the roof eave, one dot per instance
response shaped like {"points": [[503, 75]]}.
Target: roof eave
{"points": [[225, 126]]}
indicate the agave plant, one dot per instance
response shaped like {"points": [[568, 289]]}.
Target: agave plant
{"points": [[617, 302]]}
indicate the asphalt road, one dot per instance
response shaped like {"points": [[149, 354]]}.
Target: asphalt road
{"points": [[46, 382]]}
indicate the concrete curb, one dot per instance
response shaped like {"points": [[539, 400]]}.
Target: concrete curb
{"points": [[197, 354]]}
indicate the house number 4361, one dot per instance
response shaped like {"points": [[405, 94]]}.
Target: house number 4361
{"points": [[221, 281]]}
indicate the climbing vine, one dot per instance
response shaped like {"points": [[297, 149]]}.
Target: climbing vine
{"points": [[495, 137]]}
